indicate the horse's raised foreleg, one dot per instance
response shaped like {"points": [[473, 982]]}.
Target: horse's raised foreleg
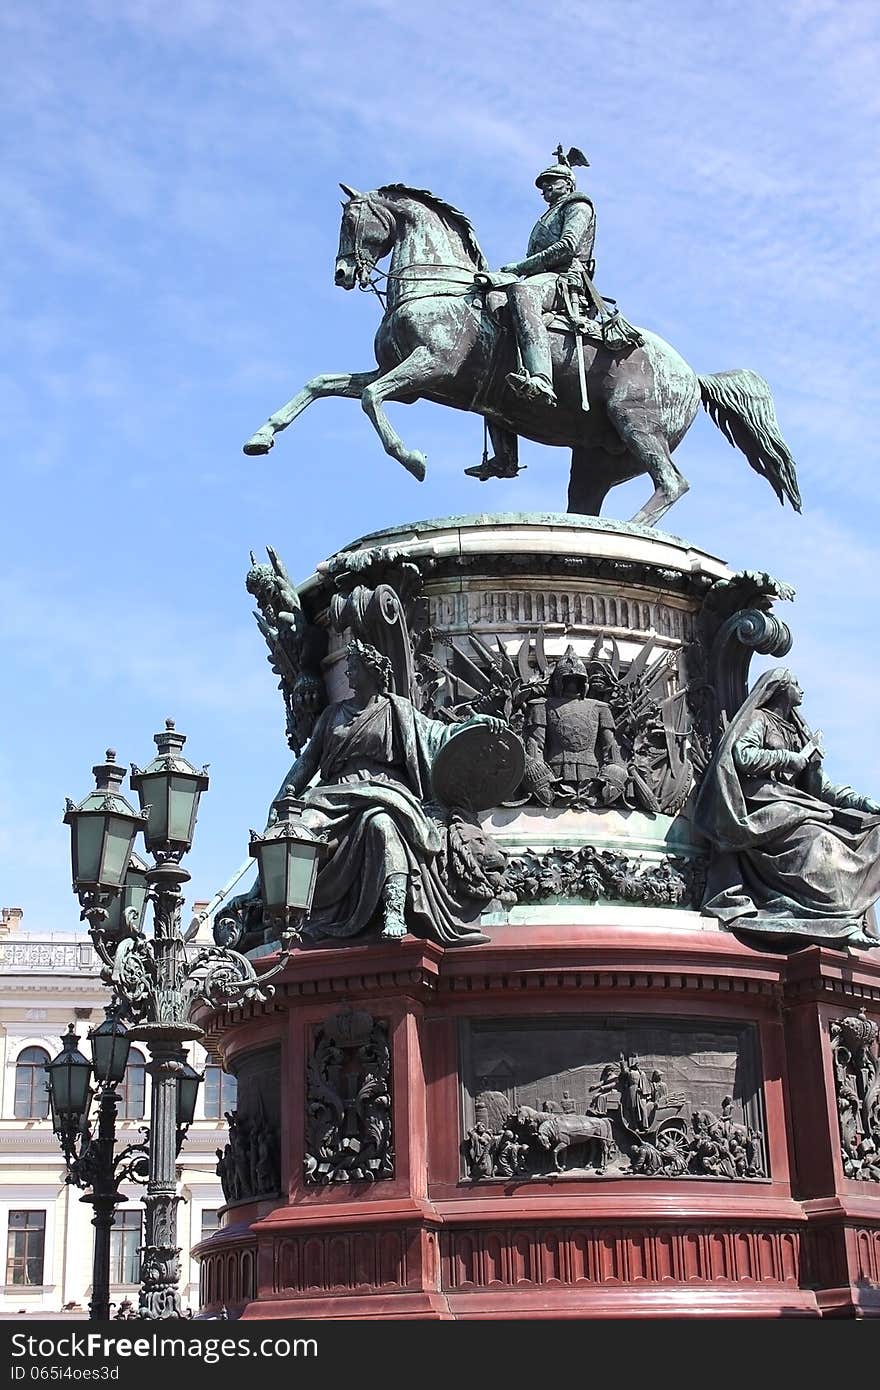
{"points": [[351, 384], [409, 378]]}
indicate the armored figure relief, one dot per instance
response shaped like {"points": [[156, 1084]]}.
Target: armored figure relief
{"points": [[570, 740], [795, 855], [248, 1166]]}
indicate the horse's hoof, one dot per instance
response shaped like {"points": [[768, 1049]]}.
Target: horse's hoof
{"points": [[259, 443], [416, 464]]}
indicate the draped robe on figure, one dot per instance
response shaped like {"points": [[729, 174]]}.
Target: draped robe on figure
{"points": [[794, 854], [374, 768]]}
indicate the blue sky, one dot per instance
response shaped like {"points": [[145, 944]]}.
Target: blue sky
{"points": [[171, 216]]}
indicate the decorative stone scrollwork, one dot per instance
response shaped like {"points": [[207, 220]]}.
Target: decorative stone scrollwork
{"points": [[223, 978], [735, 622], [591, 875], [348, 1102], [857, 1082]]}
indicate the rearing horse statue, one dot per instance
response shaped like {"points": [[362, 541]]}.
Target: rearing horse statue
{"points": [[441, 340]]}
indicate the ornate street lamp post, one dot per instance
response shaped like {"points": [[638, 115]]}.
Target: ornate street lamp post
{"points": [[91, 1158], [157, 983]]}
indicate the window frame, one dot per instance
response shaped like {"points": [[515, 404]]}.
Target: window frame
{"points": [[227, 1091], [37, 1078], [22, 1260], [125, 1102], [120, 1247]]}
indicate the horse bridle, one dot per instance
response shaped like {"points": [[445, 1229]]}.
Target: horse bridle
{"points": [[369, 276]]}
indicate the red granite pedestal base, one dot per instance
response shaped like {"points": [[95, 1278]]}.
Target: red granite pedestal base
{"points": [[430, 1242]]}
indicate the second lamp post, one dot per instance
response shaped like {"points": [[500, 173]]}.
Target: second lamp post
{"points": [[155, 981]]}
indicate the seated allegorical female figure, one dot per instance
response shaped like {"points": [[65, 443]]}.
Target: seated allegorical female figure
{"points": [[794, 854], [372, 755]]}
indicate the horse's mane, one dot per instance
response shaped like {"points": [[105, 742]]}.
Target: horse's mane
{"points": [[460, 222]]}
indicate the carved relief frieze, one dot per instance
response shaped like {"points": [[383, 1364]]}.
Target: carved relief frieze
{"points": [[856, 1056], [616, 1097]]}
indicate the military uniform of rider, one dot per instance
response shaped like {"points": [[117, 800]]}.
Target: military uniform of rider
{"points": [[560, 247]]}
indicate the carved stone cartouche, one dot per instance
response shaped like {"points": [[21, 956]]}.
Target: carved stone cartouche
{"points": [[348, 1101]]}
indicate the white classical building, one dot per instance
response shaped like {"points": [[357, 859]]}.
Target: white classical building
{"points": [[46, 1238]]}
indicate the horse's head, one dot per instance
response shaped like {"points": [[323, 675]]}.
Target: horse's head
{"points": [[365, 236], [547, 1133]]}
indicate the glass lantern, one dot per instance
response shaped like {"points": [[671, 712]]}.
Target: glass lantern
{"points": [[69, 1075], [168, 790], [103, 828], [287, 857]]}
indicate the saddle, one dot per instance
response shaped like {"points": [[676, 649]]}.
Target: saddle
{"points": [[574, 313]]}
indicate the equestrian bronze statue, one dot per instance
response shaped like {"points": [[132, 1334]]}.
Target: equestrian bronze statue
{"points": [[532, 348]]}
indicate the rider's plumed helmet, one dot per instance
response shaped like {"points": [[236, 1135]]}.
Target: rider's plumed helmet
{"points": [[563, 168]]}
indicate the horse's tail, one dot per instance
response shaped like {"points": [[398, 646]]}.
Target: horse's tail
{"points": [[741, 405]]}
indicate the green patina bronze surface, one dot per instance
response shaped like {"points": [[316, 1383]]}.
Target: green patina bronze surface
{"points": [[532, 349]]}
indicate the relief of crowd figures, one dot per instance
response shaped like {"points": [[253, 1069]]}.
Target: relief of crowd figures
{"points": [[348, 1102], [857, 1080], [627, 1122], [249, 1165]]}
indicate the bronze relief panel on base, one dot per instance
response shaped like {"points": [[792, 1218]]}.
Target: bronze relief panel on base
{"points": [[610, 1096]]}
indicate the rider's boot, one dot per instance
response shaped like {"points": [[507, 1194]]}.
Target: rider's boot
{"points": [[504, 463], [532, 388]]}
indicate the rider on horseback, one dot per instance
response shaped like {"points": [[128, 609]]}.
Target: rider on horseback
{"points": [[560, 249]]}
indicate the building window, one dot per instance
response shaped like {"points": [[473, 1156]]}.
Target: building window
{"points": [[210, 1221], [125, 1254], [25, 1244], [221, 1090], [31, 1092], [133, 1090]]}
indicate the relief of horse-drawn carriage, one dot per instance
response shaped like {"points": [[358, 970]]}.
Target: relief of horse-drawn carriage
{"points": [[628, 1124]]}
